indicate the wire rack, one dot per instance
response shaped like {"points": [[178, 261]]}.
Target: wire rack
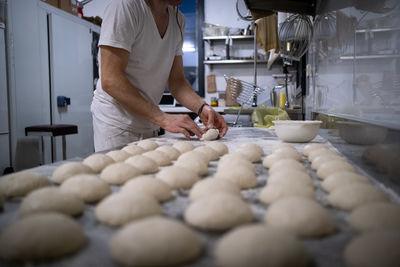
{"points": [[242, 92]]}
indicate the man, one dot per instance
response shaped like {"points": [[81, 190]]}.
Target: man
{"points": [[140, 54]]}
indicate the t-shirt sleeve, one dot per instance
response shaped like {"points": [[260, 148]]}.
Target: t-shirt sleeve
{"points": [[182, 22], [119, 26]]}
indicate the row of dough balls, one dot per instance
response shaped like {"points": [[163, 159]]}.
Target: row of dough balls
{"points": [[291, 197], [372, 216]]}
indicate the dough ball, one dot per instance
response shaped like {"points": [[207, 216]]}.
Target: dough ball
{"points": [[281, 145], [144, 164], [178, 177], [40, 237], [375, 216], [220, 211], [286, 164], [134, 149], [194, 156], [157, 242], [313, 146], [239, 174], [21, 183], [118, 173], [353, 195], [259, 246], [51, 199], [88, 187], [147, 144], [183, 146], [319, 152], [159, 157], [210, 186], [218, 146], [332, 167], [211, 134], [193, 164], [269, 160], [274, 192], [70, 169], [288, 153], [252, 147], [318, 161], [343, 178], [233, 160], [147, 184], [294, 177], [250, 155], [209, 152], [98, 162], [122, 208], [170, 151], [118, 155], [300, 216], [372, 249]]}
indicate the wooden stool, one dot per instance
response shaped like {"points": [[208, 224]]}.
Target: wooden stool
{"points": [[52, 131]]}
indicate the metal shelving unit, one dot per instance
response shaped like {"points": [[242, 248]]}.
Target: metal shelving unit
{"points": [[369, 57]]}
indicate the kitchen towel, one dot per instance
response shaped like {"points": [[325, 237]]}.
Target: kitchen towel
{"points": [[267, 33]]}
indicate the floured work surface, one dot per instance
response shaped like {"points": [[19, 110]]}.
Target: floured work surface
{"points": [[324, 252]]}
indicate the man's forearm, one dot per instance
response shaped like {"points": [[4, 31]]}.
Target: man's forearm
{"points": [[186, 96]]}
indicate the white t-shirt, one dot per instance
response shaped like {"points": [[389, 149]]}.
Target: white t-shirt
{"points": [[129, 24]]}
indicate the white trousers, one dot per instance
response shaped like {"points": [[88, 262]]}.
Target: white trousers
{"points": [[108, 137]]}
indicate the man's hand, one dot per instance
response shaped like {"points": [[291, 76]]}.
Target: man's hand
{"points": [[180, 124], [212, 119]]}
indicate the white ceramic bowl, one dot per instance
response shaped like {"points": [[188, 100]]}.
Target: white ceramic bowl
{"points": [[296, 131], [361, 133]]}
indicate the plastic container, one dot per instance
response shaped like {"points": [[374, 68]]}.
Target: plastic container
{"points": [[296, 131]]}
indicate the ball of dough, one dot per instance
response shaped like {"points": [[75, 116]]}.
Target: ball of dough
{"points": [[147, 144], [286, 164], [194, 156], [211, 134], [193, 163], [98, 162], [239, 174], [288, 153], [313, 146], [372, 249], [319, 152], [210, 186], [318, 161], [300, 216], [259, 246], [40, 237], [122, 208], [118, 173], [233, 160], [88, 187], [159, 157], [157, 242], [285, 149], [332, 167], [51, 199], [210, 153], [21, 183], [220, 211], [250, 155], [68, 170], [147, 184], [281, 145], [178, 177], [170, 151], [144, 164], [343, 178], [269, 160], [118, 155], [353, 195], [274, 192], [252, 147], [134, 150], [294, 177], [218, 146], [183, 146], [375, 216]]}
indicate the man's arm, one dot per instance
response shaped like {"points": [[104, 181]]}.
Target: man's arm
{"points": [[184, 93], [115, 83]]}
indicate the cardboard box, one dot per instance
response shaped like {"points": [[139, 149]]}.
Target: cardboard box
{"points": [[51, 2], [69, 6]]}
